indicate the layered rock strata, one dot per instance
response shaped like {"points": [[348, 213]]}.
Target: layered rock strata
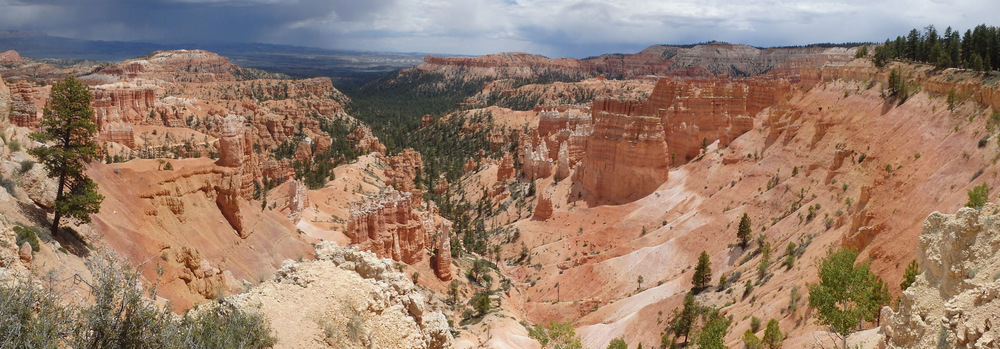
{"points": [[389, 225]]}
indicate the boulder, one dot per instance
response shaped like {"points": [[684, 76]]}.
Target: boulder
{"points": [[40, 187], [25, 252]]}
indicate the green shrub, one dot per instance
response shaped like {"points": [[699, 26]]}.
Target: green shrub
{"points": [[27, 235], [14, 145], [26, 165], [121, 316], [32, 317], [978, 196]]}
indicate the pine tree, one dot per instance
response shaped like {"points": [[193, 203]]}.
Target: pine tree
{"points": [[910, 275], [683, 321], [68, 129], [744, 231], [703, 272]]}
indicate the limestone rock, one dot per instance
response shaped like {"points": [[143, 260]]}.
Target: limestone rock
{"points": [[536, 163], [347, 287], [441, 186], [365, 140], [40, 187], [562, 162], [626, 156], [10, 56], [955, 299], [198, 273]]}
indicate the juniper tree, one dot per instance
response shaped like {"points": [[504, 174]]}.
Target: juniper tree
{"points": [[68, 130]]}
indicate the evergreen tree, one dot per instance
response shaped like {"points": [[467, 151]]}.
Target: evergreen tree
{"points": [[713, 334], [910, 275], [683, 321], [846, 294], [773, 338], [68, 129], [702, 272], [751, 341], [743, 233]]}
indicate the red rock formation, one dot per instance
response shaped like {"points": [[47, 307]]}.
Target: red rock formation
{"points": [[4, 101], [552, 119], [442, 257], [562, 162], [632, 143], [176, 66], [235, 151], [129, 105], [298, 200], [426, 120], [403, 170], [27, 101], [441, 186], [543, 208], [387, 225], [626, 157], [470, 166], [704, 60], [365, 141], [506, 169]]}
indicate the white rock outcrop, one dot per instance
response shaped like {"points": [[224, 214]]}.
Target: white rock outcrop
{"points": [[347, 298], [955, 301]]}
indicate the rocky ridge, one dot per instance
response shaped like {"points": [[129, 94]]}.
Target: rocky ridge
{"points": [[347, 298], [702, 60]]}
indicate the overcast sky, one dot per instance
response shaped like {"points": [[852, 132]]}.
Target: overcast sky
{"points": [[555, 28]]}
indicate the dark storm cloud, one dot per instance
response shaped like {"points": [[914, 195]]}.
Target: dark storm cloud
{"points": [[179, 20], [551, 27]]}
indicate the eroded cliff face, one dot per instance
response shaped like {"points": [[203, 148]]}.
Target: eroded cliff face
{"points": [[955, 300], [626, 156], [197, 217], [389, 225], [632, 144]]}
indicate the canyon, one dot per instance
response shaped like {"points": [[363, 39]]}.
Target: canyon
{"points": [[625, 169]]}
